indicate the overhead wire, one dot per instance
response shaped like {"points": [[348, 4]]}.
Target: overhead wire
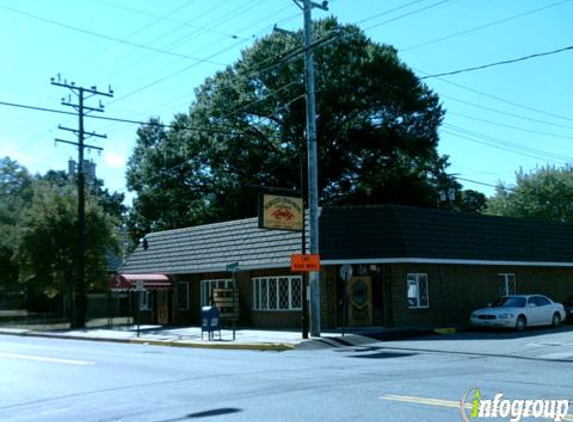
{"points": [[508, 146], [484, 26], [500, 99], [505, 113], [414, 12], [518, 128], [204, 28], [300, 52], [499, 63], [104, 36]]}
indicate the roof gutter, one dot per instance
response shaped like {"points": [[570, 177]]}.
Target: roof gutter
{"points": [[445, 262]]}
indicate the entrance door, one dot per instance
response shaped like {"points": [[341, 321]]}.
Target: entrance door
{"points": [[360, 301], [162, 307]]}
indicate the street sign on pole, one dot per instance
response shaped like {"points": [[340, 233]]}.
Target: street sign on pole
{"points": [[304, 262], [233, 267]]}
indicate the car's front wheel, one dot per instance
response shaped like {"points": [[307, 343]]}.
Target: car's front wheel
{"points": [[556, 321], [521, 323]]}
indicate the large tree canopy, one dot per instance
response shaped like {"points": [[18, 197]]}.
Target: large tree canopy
{"points": [[15, 197], [376, 125], [545, 193], [48, 239], [39, 232]]}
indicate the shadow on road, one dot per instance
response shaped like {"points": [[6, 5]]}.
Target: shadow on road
{"points": [[205, 414]]}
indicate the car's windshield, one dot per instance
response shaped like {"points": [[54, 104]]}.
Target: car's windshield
{"points": [[509, 302]]}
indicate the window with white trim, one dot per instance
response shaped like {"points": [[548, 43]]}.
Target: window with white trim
{"points": [[183, 295], [207, 287], [417, 288], [277, 293], [506, 284]]}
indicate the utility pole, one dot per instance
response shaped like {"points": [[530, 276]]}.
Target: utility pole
{"points": [[314, 276], [79, 296]]}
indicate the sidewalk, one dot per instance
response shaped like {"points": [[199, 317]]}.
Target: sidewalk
{"points": [[245, 339]]}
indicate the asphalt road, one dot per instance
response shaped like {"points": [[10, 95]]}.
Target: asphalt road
{"points": [[411, 380]]}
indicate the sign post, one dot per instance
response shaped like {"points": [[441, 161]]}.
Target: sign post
{"points": [[345, 274], [139, 289], [233, 268]]}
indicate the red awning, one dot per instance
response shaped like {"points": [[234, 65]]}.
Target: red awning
{"points": [[125, 282]]}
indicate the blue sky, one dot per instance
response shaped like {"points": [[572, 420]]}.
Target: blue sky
{"points": [[154, 54]]}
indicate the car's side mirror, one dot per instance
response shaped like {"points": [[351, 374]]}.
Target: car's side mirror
{"points": [[489, 305], [531, 305]]}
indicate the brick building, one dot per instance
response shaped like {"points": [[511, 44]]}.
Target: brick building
{"points": [[411, 266]]}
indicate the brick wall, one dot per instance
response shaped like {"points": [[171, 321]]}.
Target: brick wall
{"points": [[456, 290]]}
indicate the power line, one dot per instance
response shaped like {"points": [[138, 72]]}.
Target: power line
{"points": [[502, 144], [107, 37], [484, 26], [166, 19], [503, 62], [140, 122], [517, 116], [503, 100], [521, 129], [414, 12], [476, 182], [387, 12]]}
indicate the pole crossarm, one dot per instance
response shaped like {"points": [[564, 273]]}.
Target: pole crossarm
{"points": [[85, 134], [87, 146], [86, 108]]}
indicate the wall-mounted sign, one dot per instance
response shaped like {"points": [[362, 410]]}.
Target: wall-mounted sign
{"points": [[281, 212], [304, 262]]}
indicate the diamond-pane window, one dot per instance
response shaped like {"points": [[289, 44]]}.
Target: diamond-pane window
{"points": [[256, 295], [273, 293], [296, 293], [277, 293], [284, 293], [264, 294]]}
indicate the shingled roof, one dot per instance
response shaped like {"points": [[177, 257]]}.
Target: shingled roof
{"points": [[210, 248], [382, 233], [369, 234]]}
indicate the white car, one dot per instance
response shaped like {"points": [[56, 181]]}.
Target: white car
{"points": [[519, 311]]}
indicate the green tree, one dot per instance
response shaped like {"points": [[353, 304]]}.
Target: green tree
{"points": [[48, 242], [111, 202], [15, 196], [377, 133], [545, 193]]}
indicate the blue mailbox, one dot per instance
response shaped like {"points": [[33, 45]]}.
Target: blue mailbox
{"points": [[210, 321]]}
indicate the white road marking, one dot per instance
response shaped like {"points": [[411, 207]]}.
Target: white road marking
{"points": [[46, 359], [437, 402], [558, 356], [423, 400]]}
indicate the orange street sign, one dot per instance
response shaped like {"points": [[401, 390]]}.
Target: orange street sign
{"points": [[304, 262]]}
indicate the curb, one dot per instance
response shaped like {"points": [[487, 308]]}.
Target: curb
{"points": [[271, 347]]}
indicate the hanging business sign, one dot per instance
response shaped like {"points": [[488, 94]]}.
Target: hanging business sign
{"points": [[279, 212]]}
